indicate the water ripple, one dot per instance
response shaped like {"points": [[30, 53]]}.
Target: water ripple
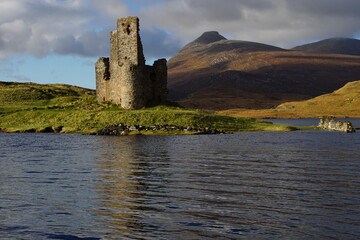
{"points": [[301, 185]]}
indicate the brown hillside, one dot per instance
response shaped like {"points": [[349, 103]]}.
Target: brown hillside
{"points": [[223, 74], [344, 102], [347, 46]]}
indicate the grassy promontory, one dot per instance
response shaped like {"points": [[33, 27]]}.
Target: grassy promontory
{"points": [[30, 107], [342, 103]]}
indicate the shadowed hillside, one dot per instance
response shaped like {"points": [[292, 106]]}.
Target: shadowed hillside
{"points": [[344, 102], [346, 46], [214, 73]]}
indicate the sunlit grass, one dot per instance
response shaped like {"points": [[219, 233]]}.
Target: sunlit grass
{"points": [[76, 110]]}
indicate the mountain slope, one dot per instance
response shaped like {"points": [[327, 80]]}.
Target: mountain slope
{"points": [[224, 74], [344, 102], [346, 46]]}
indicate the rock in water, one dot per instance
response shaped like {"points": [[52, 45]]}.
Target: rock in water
{"points": [[335, 125]]}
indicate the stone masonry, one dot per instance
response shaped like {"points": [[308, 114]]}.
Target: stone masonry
{"points": [[124, 78]]}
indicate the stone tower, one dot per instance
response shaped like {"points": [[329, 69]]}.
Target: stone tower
{"points": [[124, 78]]}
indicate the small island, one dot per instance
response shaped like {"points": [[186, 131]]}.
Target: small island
{"points": [[31, 107]]}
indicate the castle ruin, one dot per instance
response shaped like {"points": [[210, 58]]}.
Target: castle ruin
{"points": [[124, 78]]}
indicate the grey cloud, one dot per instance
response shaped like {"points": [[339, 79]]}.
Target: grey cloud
{"points": [[228, 9], [88, 44], [158, 43], [280, 22], [95, 43], [72, 27], [344, 8], [67, 45], [81, 27], [189, 18], [215, 10]]}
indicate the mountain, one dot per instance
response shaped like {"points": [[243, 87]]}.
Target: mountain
{"points": [[344, 102], [348, 46], [206, 38], [215, 73], [213, 42]]}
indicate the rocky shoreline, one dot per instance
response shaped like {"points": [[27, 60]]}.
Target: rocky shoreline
{"points": [[122, 130]]}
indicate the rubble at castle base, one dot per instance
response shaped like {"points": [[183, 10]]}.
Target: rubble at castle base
{"points": [[122, 129], [124, 78]]}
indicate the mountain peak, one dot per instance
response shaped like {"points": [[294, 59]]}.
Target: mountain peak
{"points": [[205, 39], [209, 37]]}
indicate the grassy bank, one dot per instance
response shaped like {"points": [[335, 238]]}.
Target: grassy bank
{"points": [[344, 102], [28, 107]]}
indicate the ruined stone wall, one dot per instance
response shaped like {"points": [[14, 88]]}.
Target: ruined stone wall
{"points": [[131, 83], [130, 49], [131, 63], [159, 84], [115, 83], [133, 94], [102, 80]]}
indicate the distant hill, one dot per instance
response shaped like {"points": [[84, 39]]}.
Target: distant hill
{"points": [[348, 46], [344, 102], [215, 73], [27, 93]]}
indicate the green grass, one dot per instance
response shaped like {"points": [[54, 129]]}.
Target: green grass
{"points": [[28, 107]]}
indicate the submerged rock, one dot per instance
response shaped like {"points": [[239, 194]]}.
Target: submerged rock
{"points": [[45, 130], [57, 129], [328, 123]]}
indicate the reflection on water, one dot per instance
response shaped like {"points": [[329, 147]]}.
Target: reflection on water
{"points": [[120, 186], [297, 185], [125, 173]]}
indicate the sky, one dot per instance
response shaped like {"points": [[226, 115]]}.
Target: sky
{"points": [[59, 41]]}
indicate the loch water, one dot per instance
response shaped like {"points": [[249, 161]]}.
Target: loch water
{"points": [[253, 185]]}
